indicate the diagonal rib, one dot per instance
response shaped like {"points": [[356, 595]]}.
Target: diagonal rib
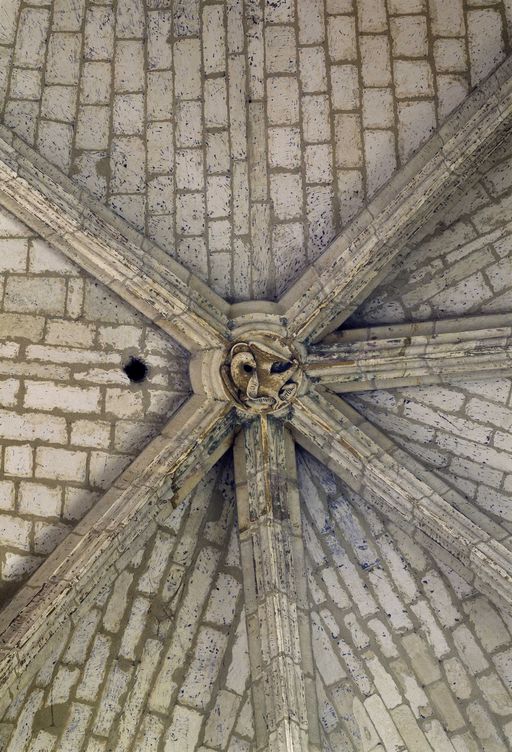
{"points": [[403, 491], [123, 519], [103, 244], [435, 352], [358, 259]]}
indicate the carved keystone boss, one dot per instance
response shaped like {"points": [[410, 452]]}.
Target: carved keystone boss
{"points": [[261, 376]]}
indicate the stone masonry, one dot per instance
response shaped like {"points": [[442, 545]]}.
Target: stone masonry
{"points": [[197, 604], [70, 419], [241, 136]]}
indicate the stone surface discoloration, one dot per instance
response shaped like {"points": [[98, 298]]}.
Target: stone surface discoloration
{"points": [[147, 105], [239, 137], [70, 419], [404, 647], [129, 671], [273, 565]]}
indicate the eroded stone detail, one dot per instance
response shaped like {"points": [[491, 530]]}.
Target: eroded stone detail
{"points": [[261, 376]]}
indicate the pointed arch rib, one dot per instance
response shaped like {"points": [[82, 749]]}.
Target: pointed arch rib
{"points": [[399, 487], [277, 609], [108, 248], [357, 260], [104, 541], [434, 352]]}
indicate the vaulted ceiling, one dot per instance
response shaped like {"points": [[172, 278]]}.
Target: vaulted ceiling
{"points": [[314, 555]]}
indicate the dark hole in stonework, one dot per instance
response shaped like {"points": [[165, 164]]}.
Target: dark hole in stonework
{"points": [[136, 370], [247, 368], [280, 367]]}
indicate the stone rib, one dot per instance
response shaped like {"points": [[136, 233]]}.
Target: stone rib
{"points": [[103, 244], [164, 473], [276, 600], [372, 467], [358, 259], [435, 352]]}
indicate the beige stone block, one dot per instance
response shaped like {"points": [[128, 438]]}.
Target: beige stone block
{"points": [[378, 110], [18, 460], [95, 83], [90, 433], [282, 100], [60, 464], [45, 395], [485, 42], [105, 468], [447, 19], [187, 67], [416, 123], [376, 65], [413, 79], [371, 16], [219, 235], [409, 36], [218, 195], [128, 165], [129, 66], [341, 36], [215, 103], [380, 158], [13, 255], [99, 33], [25, 84], [130, 20], [40, 499], [318, 160], [313, 74], [159, 95], [284, 147], [7, 494], [217, 155], [128, 114], [32, 37], [315, 119], [77, 502], [183, 732], [311, 21], [159, 35], [8, 23], [280, 49], [37, 295], [348, 141], [345, 87], [189, 129], [214, 43], [350, 193], [190, 213], [15, 532], [59, 103], [72, 333], [452, 90], [63, 62], [286, 194], [397, 7], [450, 55], [193, 255], [124, 403]]}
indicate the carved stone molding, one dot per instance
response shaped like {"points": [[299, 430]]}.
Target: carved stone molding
{"points": [[261, 374]]}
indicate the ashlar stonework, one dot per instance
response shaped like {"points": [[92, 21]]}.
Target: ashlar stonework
{"points": [[303, 540]]}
